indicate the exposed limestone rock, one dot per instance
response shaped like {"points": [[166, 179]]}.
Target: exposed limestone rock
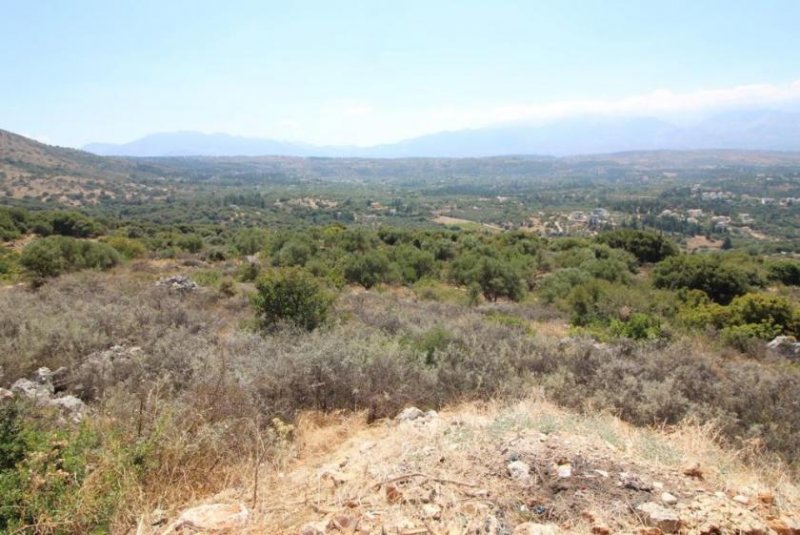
{"points": [[659, 517]]}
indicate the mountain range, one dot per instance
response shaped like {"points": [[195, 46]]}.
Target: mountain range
{"points": [[742, 130]]}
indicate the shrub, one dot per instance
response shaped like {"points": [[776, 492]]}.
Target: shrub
{"points": [[367, 269], [721, 281], [54, 255], [638, 326], [128, 247], [785, 271], [645, 245], [292, 296]]}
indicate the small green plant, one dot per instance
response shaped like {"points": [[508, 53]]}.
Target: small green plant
{"points": [[293, 296]]}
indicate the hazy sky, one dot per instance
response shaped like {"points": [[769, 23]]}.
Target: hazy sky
{"points": [[340, 72]]}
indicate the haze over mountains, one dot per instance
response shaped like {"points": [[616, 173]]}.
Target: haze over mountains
{"points": [[744, 130]]}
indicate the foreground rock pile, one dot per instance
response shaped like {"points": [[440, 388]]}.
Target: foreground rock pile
{"points": [[41, 389], [529, 469], [178, 283]]}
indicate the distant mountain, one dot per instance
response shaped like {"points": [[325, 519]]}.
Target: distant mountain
{"points": [[199, 144], [743, 130]]}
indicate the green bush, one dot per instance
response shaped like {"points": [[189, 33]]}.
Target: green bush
{"points": [[367, 269], [720, 280], [785, 271], [645, 245], [54, 255], [128, 247], [293, 296], [638, 326]]}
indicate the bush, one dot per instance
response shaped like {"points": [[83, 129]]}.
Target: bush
{"points": [[645, 245], [54, 255], [128, 247], [785, 271], [292, 296], [721, 281], [367, 269], [638, 326]]}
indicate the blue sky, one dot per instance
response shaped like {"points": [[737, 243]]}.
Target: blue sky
{"points": [[347, 72]]}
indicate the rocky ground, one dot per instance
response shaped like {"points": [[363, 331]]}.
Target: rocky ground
{"points": [[530, 468]]}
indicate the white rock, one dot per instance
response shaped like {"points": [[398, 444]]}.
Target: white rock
{"points": [[432, 511], [215, 516], [668, 498], [564, 470], [744, 500], [70, 405], [660, 517], [408, 414], [519, 471], [32, 390], [602, 473]]}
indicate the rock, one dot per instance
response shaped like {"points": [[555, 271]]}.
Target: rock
{"points": [[519, 471], [342, 522], [214, 517], [178, 283], [564, 470], [602, 473], [32, 390], [659, 517], [532, 528], [6, 395], [634, 482], [71, 406], [408, 414], [668, 498], [46, 377], [785, 346], [432, 511], [744, 500]]}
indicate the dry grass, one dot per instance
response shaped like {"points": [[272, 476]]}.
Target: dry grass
{"points": [[448, 474]]}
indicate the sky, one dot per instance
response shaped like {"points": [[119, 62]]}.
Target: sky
{"points": [[339, 72]]}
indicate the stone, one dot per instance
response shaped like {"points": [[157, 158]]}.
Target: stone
{"points": [[785, 346], [178, 283], [659, 517], [409, 414], [668, 498], [432, 511], [634, 482], [214, 517], [739, 498], [564, 470], [532, 528], [32, 390], [602, 473], [71, 406], [519, 471]]}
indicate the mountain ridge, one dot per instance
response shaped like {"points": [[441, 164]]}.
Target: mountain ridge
{"points": [[741, 130]]}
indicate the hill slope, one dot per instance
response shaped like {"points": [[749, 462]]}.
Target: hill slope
{"points": [[36, 170]]}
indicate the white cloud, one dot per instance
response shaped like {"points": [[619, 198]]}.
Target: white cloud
{"points": [[654, 103]]}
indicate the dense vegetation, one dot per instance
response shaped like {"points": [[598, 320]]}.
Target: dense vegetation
{"points": [[325, 290]]}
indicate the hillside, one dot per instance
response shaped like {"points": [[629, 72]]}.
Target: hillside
{"points": [[29, 169], [524, 468]]}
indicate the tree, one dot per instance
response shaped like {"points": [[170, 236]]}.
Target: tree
{"points": [[367, 269], [721, 281], [292, 296], [647, 246]]}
